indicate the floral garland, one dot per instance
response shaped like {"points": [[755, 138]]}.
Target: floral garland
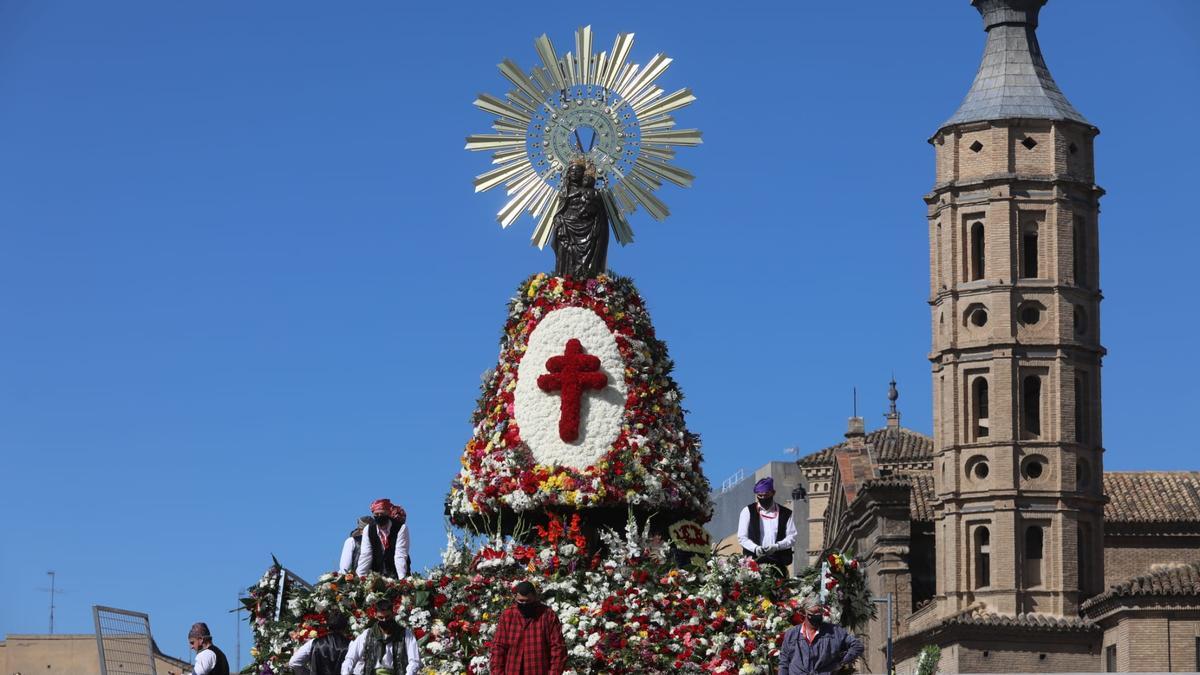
{"points": [[654, 463], [628, 610], [842, 589]]}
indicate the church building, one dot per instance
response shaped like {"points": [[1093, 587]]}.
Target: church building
{"points": [[1001, 539]]}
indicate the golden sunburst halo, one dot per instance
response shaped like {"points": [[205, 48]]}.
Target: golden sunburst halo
{"points": [[582, 104]]}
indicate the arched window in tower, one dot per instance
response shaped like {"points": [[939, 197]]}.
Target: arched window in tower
{"points": [[979, 408], [1083, 556], [1029, 251], [977, 251], [983, 557], [1079, 232], [1033, 555], [1031, 405], [1083, 403]]}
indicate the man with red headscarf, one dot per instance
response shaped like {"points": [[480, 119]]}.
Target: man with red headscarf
{"points": [[385, 542]]}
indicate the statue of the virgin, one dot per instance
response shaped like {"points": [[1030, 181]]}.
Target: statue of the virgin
{"points": [[580, 224]]}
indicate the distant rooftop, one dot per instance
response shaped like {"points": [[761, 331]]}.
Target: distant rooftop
{"points": [[891, 446], [1013, 80]]}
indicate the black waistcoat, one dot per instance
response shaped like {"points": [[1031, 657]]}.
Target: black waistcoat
{"points": [[328, 653], [383, 561], [222, 667], [782, 557]]}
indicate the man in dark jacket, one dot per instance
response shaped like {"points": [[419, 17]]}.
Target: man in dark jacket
{"points": [[815, 647], [528, 639]]}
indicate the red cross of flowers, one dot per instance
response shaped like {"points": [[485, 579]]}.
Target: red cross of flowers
{"points": [[572, 373]]}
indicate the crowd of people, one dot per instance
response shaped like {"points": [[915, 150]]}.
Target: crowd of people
{"points": [[528, 639]]}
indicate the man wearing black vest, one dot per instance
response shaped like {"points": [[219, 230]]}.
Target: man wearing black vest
{"points": [[209, 659], [386, 647], [385, 542], [324, 655], [765, 529]]}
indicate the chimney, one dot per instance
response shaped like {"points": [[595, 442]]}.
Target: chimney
{"points": [[856, 435]]}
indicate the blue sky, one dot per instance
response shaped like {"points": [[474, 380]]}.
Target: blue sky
{"points": [[247, 287]]}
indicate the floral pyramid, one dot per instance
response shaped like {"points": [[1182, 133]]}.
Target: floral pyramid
{"points": [[580, 414]]}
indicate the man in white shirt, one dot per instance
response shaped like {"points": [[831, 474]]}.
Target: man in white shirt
{"points": [[352, 547], [385, 542], [386, 648], [765, 529], [209, 659]]}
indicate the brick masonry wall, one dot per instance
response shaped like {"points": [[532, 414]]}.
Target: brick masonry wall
{"points": [[1127, 557]]}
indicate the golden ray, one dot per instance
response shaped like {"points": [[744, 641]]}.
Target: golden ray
{"points": [[667, 104], [493, 141], [549, 59], [686, 137], [491, 104], [488, 180]]}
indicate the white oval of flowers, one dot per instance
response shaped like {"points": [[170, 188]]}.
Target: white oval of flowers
{"points": [[600, 411]]}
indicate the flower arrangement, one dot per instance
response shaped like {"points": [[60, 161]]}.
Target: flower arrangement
{"points": [[842, 588], [624, 607], [648, 459]]}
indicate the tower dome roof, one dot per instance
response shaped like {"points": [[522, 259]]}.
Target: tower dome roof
{"points": [[1013, 80]]}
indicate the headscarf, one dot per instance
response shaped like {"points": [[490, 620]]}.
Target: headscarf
{"points": [[383, 506], [199, 630], [764, 486], [398, 514]]}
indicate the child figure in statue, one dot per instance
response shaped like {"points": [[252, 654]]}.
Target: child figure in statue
{"points": [[580, 224]]}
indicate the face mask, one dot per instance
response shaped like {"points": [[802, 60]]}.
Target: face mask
{"points": [[381, 520], [765, 501], [528, 609], [815, 620]]}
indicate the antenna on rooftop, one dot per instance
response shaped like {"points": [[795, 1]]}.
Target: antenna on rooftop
{"points": [[854, 395], [53, 591]]}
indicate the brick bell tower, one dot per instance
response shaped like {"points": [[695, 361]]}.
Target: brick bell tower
{"points": [[1014, 289]]}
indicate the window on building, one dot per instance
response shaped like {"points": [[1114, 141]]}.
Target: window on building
{"points": [[977, 251], [983, 554], [1033, 556], [1079, 318], [1083, 404], [1029, 253], [1080, 251], [979, 403], [1110, 658], [1031, 405], [1083, 556]]}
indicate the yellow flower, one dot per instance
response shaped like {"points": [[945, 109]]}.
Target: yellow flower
{"points": [[486, 616], [765, 604]]}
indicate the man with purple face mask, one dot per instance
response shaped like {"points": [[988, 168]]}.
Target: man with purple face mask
{"points": [[816, 647], [765, 529]]}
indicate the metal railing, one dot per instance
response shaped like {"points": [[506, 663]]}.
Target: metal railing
{"points": [[124, 641]]}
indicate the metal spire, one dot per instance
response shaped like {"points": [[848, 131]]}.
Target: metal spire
{"points": [[1013, 80]]}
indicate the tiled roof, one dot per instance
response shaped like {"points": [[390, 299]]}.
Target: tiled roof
{"points": [[1013, 80], [1171, 580], [920, 504], [903, 445], [1152, 497], [1036, 621]]}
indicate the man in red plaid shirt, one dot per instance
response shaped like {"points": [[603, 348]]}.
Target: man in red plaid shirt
{"points": [[528, 639]]}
